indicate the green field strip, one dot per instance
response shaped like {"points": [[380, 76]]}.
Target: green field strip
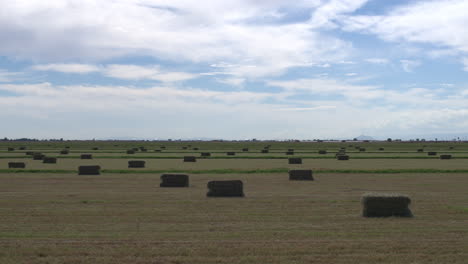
{"points": [[237, 171]]}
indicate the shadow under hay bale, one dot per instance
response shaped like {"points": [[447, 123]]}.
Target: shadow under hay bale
{"points": [[300, 175], [265, 151], [89, 170], [205, 154], [130, 151], [86, 156], [64, 151], [230, 153], [385, 205], [49, 160], [174, 180], [295, 161], [432, 153], [16, 165], [245, 149], [136, 163], [289, 152], [190, 159], [322, 152], [233, 188], [38, 156], [445, 156], [342, 157]]}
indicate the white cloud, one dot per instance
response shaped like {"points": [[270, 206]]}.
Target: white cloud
{"points": [[409, 65], [206, 32], [440, 23], [67, 68], [377, 60], [7, 76], [465, 63]]}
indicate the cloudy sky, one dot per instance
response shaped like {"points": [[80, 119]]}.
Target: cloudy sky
{"points": [[233, 69]]}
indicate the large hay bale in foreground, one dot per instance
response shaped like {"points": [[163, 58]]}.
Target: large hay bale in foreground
{"points": [[174, 180], [89, 170], [136, 163], [64, 151], [230, 153], [86, 156], [385, 205], [50, 160], [342, 157], [322, 152], [130, 151], [205, 154], [225, 189], [289, 152], [431, 153], [445, 156], [16, 165], [38, 156], [300, 175], [295, 161], [190, 159]]}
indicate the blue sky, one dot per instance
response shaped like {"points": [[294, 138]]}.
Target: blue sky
{"points": [[233, 69]]}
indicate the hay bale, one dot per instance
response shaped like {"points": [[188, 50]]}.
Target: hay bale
{"points": [[295, 161], [265, 151], [86, 156], [144, 150], [300, 175], [381, 149], [445, 156], [322, 152], [136, 163], [162, 147], [89, 170], [29, 153], [342, 157], [64, 151], [174, 180], [38, 156], [184, 148], [130, 151], [230, 153], [420, 150], [67, 147], [362, 149], [22, 148], [11, 149], [225, 189], [205, 154], [157, 150], [195, 148], [190, 159], [16, 165], [431, 153], [50, 160], [385, 205], [289, 152], [451, 147], [245, 149], [95, 148]]}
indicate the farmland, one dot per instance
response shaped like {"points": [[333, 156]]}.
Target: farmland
{"points": [[50, 214]]}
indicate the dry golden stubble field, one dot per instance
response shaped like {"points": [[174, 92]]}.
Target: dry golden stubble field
{"points": [[114, 218]]}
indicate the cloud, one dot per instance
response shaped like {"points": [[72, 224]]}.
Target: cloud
{"points": [[7, 76], [67, 68], [465, 64], [377, 60], [240, 32], [409, 65], [120, 71], [439, 23]]}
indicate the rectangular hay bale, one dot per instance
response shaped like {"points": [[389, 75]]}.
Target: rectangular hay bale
{"points": [[16, 165], [89, 170], [190, 159], [233, 188], [295, 160], [300, 175], [136, 163], [86, 156], [49, 160], [385, 205], [174, 180]]}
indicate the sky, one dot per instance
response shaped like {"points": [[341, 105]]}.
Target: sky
{"points": [[233, 69]]}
